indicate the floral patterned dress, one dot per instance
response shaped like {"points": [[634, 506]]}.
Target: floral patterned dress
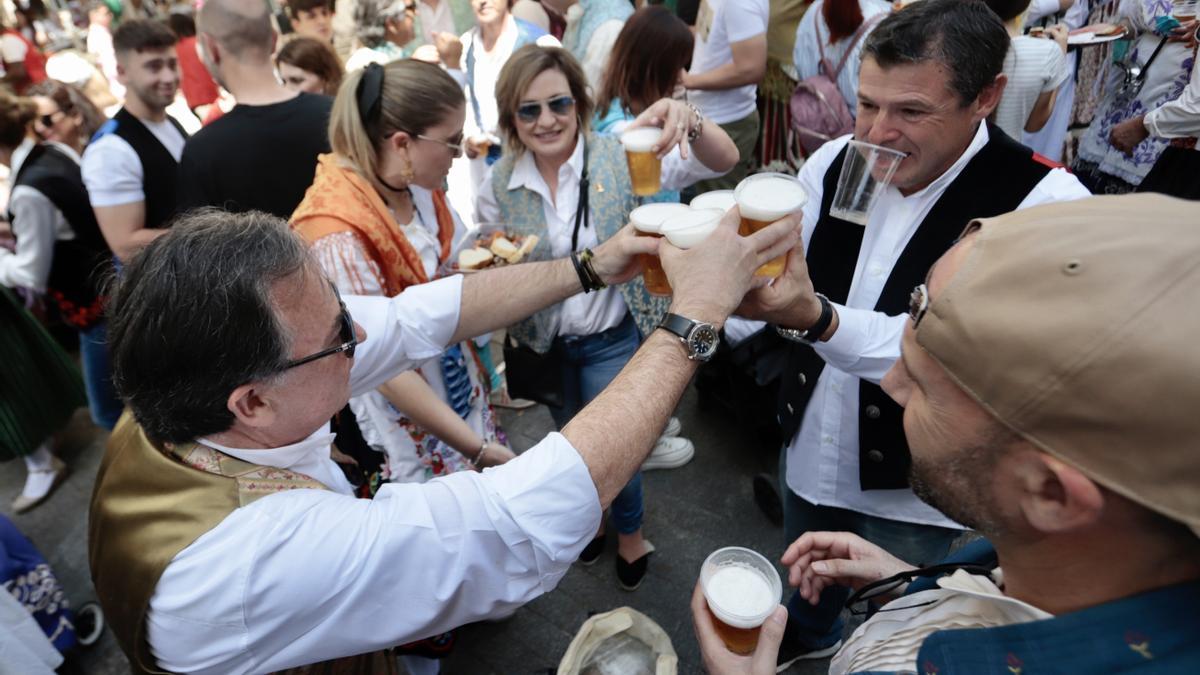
{"points": [[356, 264], [1109, 169]]}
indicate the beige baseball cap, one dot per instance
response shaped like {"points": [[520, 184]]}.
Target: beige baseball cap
{"points": [[1078, 326]]}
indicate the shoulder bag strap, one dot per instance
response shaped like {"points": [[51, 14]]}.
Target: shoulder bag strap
{"points": [[858, 34]]}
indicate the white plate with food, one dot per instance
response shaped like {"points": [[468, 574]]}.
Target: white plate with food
{"points": [[1095, 35], [489, 246]]}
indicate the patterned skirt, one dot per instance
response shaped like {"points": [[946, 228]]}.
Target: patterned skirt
{"points": [[40, 385]]}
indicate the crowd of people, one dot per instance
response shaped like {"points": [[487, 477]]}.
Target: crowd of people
{"points": [[247, 219]]}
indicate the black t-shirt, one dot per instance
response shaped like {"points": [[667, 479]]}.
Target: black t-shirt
{"points": [[256, 157]]}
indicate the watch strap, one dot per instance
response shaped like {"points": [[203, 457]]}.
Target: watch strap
{"points": [[679, 325]]}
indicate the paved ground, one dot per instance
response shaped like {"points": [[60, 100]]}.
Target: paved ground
{"points": [[690, 511]]}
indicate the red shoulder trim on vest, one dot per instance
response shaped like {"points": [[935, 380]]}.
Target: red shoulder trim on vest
{"points": [[1046, 161]]}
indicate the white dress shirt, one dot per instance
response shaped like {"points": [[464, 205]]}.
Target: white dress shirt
{"points": [[584, 313], [822, 462], [308, 575], [37, 225]]}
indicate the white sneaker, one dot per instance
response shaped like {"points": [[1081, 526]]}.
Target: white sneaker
{"points": [[669, 452], [673, 427], [39, 485]]}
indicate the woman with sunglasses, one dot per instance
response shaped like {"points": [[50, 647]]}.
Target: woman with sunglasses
{"points": [[65, 115], [379, 222], [61, 257], [572, 189]]}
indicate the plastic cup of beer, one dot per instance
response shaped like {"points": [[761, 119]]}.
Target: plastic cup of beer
{"points": [[645, 169], [763, 199], [692, 227], [648, 219], [866, 171], [742, 589], [1183, 10], [715, 199]]}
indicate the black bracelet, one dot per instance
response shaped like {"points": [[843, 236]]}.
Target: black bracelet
{"points": [[583, 277], [585, 260], [814, 333]]}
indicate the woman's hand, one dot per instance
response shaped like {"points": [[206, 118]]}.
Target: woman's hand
{"points": [[675, 118], [493, 454], [1058, 32], [1126, 135]]}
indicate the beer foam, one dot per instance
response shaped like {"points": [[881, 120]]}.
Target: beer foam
{"points": [[691, 227], [717, 199], [641, 139], [740, 596], [650, 217], [769, 198]]}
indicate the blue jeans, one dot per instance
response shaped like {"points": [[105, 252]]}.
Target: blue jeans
{"points": [[819, 626], [97, 376], [590, 363]]}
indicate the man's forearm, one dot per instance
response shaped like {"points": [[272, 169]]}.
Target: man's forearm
{"points": [[727, 76], [497, 298], [637, 403]]}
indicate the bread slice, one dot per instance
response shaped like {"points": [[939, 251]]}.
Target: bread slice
{"points": [[504, 248], [474, 258]]}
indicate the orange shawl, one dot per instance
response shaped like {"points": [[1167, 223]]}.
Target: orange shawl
{"points": [[340, 200]]}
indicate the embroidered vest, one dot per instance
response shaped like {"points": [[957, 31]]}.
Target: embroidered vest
{"points": [[77, 274], [595, 13], [610, 202], [160, 170], [149, 503], [833, 256]]}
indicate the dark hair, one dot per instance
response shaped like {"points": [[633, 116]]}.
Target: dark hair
{"points": [[316, 57], [519, 72], [16, 114], [843, 18], [71, 100], [182, 25], [295, 6], [141, 34], [646, 59], [1008, 10], [192, 319], [963, 35]]}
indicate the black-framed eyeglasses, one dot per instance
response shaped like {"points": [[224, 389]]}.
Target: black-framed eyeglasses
{"points": [[888, 585], [559, 105], [454, 146], [48, 120], [349, 340], [918, 304]]}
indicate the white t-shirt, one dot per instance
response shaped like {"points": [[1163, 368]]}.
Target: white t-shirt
{"points": [[720, 23], [112, 170], [1033, 66]]}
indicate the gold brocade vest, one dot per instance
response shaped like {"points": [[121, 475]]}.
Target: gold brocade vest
{"points": [[151, 502]]}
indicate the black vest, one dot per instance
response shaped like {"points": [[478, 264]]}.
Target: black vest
{"points": [[994, 181], [160, 171], [81, 264]]}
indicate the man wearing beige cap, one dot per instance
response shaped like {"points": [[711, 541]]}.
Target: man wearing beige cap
{"points": [[1048, 378]]}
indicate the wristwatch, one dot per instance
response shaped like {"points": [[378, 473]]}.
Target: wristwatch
{"points": [[700, 339], [814, 332]]}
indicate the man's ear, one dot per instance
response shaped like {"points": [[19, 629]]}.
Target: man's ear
{"points": [[251, 407], [989, 98], [1056, 497]]}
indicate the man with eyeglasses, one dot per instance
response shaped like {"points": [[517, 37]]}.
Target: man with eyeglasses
{"points": [[262, 154], [222, 536], [930, 77], [1047, 376]]}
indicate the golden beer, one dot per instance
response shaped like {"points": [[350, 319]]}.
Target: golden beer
{"points": [[763, 199], [742, 589], [645, 169], [647, 220]]}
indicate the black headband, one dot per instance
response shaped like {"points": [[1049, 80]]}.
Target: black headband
{"points": [[370, 97]]}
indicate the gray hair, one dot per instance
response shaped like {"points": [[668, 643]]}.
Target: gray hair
{"points": [[192, 319], [963, 35], [371, 17]]}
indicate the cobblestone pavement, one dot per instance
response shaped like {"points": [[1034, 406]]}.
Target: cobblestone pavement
{"points": [[690, 511]]}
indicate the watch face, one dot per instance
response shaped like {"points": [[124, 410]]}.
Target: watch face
{"points": [[703, 341]]}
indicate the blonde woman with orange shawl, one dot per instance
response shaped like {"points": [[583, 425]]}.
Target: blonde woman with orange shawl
{"points": [[378, 222]]}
